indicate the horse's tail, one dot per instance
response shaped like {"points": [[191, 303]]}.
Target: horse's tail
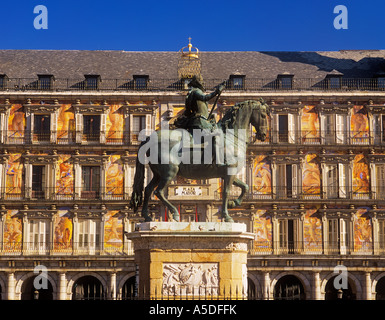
{"points": [[137, 189]]}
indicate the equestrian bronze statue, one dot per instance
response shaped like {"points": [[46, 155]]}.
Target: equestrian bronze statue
{"points": [[198, 148]]}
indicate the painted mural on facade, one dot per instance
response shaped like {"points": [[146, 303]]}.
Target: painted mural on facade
{"points": [[64, 176], [66, 124], [312, 232], [63, 230], [114, 176], [14, 176], [113, 231], [359, 125], [263, 232], [261, 175], [362, 231], [311, 176], [115, 124], [310, 125], [16, 124], [13, 231], [360, 185]]}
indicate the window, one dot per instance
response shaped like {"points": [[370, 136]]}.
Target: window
{"points": [[88, 235], [45, 82], [378, 128], [285, 82], [288, 233], [335, 128], [140, 82], [138, 124], [334, 82], [287, 184], [338, 235], [38, 181], [285, 128], [91, 127], [90, 182], [237, 82], [336, 181], [38, 235], [41, 127], [3, 81], [92, 82]]}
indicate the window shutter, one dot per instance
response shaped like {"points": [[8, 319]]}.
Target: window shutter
{"points": [[79, 127], [291, 128], [342, 180], [294, 177], [103, 127], [376, 131], [148, 124], [343, 236], [274, 128], [53, 127], [340, 128]]}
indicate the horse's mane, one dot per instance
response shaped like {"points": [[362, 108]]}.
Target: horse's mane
{"points": [[229, 118]]}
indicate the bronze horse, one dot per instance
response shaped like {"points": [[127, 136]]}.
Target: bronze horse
{"points": [[237, 120]]}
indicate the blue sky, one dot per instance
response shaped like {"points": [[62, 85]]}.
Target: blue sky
{"points": [[237, 25]]}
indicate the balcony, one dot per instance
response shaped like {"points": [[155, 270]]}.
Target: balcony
{"points": [[123, 85], [57, 248], [330, 138], [315, 248]]}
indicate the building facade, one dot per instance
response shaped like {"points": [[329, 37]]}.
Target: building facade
{"points": [[69, 125]]}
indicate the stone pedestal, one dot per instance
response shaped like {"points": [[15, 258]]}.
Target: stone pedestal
{"points": [[197, 260]]}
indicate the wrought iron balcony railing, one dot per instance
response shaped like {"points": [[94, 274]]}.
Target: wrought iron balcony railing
{"points": [[63, 248], [249, 84]]}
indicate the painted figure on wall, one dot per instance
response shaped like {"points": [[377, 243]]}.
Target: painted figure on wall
{"points": [[360, 176], [312, 232], [362, 231], [63, 229], [16, 122], [64, 176], [359, 125], [113, 231], [310, 125], [14, 175], [311, 176], [13, 231], [114, 176], [66, 123], [261, 175], [263, 231], [115, 125]]}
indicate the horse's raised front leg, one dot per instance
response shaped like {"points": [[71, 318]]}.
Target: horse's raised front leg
{"points": [[147, 194], [244, 187], [227, 182]]}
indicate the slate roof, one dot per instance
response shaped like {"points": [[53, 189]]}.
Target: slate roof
{"points": [[75, 64]]}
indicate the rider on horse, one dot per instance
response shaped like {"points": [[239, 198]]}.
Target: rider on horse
{"points": [[196, 113]]}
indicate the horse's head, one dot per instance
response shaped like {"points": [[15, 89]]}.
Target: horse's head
{"points": [[259, 118]]}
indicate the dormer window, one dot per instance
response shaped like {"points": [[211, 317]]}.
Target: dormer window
{"points": [[237, 81], [45, 81], [92, 81], [380, 80], [141, 81], [3, 81], [334, 79], [285, 81]]}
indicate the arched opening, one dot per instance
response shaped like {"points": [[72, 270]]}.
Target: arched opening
{"points": [[331, 293], [251, 292], [289, 288], [129, 290], [29, 292], [380, 289], [88, 288]]}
